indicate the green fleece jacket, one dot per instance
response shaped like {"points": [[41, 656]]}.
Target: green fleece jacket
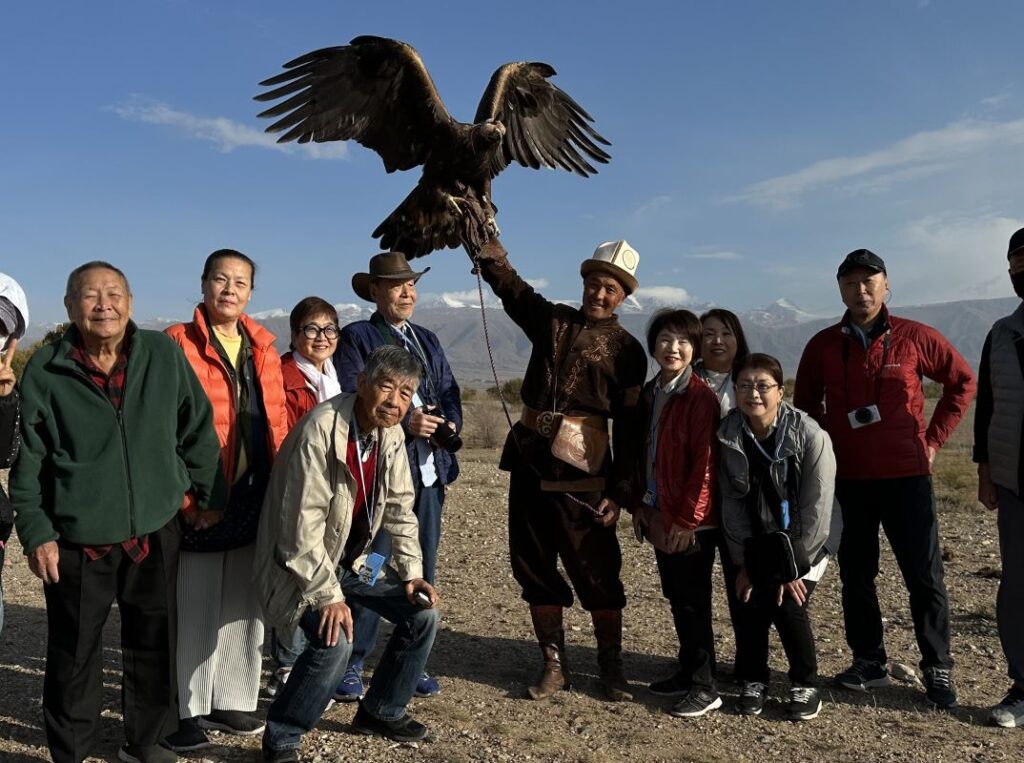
{"points": [[92, 475]]}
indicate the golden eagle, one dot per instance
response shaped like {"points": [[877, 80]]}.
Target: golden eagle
{"points": [[377, 92]]}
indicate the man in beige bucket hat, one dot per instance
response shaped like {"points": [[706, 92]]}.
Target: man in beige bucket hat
{"points": [[566, 487]]}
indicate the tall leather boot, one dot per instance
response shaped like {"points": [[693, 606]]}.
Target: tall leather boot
{"points": [[608, 629], [547, 624]]}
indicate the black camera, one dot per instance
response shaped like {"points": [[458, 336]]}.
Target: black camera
{"points": [[861, 417], [444, 436]]}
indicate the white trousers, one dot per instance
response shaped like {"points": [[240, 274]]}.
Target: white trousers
{"points": [[220, 633]]}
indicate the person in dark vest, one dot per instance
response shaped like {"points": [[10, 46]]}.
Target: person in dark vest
{"points": [[999, 453], [431, 427], [861, 379], [567, 487]]}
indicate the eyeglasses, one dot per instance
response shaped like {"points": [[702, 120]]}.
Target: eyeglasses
{"points": [[762, 388], [312, 331]]}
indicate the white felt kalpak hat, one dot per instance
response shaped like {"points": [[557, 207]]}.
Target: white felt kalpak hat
{"points": [[616, 258]]}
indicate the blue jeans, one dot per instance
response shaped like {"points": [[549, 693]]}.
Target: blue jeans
{"points": [[365, 623], [284, 650], [303, 699]]}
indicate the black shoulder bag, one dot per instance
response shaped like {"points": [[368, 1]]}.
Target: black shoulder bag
{"points": [[772, 558]]}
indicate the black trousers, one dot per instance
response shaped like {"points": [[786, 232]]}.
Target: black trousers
{"points": [[904, 507], [545, 526], [686, 583], [753, 627], [77, 607]]}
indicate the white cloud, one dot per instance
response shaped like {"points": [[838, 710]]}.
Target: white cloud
{"points": [[951, 257], [226, 134], [908, 158], [662, 295], [651, 206], [713, 254], [537, 283]]}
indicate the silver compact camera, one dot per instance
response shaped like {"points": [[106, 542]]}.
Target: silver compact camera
{"points": [[864, 416]]}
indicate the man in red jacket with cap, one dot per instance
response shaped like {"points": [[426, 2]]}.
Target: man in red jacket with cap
{"points": [[861, 379]]}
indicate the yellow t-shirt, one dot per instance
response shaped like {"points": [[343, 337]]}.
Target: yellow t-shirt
{"points": [[232, 348]]}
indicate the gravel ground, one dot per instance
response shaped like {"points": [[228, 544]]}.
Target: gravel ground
{"points": [[485, 656]]}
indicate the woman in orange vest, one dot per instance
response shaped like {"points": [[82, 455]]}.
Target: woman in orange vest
{"points": [[220, 631]]}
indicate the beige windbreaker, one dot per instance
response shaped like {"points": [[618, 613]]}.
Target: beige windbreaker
{"points": [[307, 514]]}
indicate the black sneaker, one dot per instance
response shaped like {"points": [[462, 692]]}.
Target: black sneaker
{"points": [[804, 703], [233, 722], [863, 675], [1010, 712], [291, 755], [146, 753], [404, 729], [188, 737], [751, 700], [938, 687], [696, 703], [674, 686]]}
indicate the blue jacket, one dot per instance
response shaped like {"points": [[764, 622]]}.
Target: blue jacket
{"points": [[359, 338]]}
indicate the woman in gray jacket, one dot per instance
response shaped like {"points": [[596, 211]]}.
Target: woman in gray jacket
{"points": [[776, 473]]}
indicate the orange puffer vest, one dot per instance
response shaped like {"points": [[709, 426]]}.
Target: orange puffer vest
{"points": [[194, 339]]}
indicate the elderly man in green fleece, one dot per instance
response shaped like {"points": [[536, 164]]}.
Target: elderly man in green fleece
{"points": [[115, 431]]}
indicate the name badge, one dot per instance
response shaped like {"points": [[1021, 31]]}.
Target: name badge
{"points": [[370, 569], [651, 494]]}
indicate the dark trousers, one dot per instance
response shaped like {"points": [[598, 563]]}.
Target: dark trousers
{"points": [[366, 622], [77, 607], [686, 583], [1010, 600], [904, 507], [753, 624], [545, 526]]}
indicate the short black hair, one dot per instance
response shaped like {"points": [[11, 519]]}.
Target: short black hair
{"points": [[760, 361], [310, 307], [681, 321], [224, 254], [732, 322]]}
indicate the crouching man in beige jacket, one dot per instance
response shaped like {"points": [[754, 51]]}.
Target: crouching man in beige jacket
{"points": [[311, 555]]}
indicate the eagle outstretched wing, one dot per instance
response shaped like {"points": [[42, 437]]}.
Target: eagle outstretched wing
{"points": [[544, 127], [374, 90]]}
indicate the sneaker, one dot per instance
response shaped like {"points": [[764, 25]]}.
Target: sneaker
{"points": [[696, 703], [804, 703], [938, 687], [188, 737], [751, 701], [427, 686], [404, 729], [351, 687], [146, 753], [278, 680], [291, 755], [863, 675], [1010, 712], [233, 722], [674, 686]]}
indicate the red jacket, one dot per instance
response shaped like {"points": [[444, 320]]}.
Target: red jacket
{"points": [[299, 398], [194, 339], [897, 445], [685, 470]]}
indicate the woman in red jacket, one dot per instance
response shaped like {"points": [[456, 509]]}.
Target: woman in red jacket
{"points": [[220, 630], [676, 514]]}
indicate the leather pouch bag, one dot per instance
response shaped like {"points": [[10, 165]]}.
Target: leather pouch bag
{"points": [[579, 444]]}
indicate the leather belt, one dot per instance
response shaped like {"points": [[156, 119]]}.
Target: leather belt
{"points": [[545, 423]]}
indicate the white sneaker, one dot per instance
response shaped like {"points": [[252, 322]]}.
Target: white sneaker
{"points": [[1010, 712]]}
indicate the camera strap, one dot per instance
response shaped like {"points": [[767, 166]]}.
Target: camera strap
{"points": [[886, 341], [408, 340]]}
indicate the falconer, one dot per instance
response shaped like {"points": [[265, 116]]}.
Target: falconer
{"points": [[566, 489]]}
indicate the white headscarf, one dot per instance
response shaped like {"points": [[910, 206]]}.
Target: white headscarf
{"points": [[13, 309], [324, 384]]}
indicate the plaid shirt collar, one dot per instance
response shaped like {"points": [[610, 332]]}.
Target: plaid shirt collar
{"points": [[112, 383]]}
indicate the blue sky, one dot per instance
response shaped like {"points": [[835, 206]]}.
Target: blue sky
{"points": [[754, 144]]}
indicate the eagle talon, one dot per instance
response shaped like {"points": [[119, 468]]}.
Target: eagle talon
{"points": [[455, 202], [491, 226]]}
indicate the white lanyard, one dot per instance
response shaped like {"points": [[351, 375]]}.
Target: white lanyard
{"points": [[368, 498], [757, 443]]}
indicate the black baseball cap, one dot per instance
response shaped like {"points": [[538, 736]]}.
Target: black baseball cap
{"points": [[1016, 244], [865, 258]]}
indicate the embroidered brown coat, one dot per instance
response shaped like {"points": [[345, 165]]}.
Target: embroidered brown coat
{"points": [[576, 367]]}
